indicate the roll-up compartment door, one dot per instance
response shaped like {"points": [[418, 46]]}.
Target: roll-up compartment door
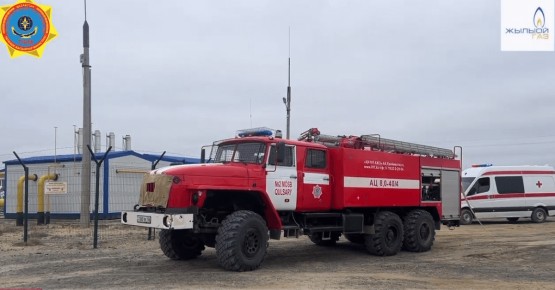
{"points": [[450, 194]]}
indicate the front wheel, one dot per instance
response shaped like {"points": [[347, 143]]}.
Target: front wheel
{"points": [[466, 217], [242, 241], [539, 215], [388, 236], [180, 244]]}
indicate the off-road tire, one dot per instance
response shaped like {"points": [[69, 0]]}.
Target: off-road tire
{"points": [[512, 220], [539, 215], [355, 238], [180, 244], [419, 231], [242, 241], [388, 237], [317, 239], [466, 217]]}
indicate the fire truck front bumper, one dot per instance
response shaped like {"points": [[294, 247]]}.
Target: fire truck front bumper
{"points": [[158, 220]]}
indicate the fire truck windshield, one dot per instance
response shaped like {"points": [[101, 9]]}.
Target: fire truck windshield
{"points": [[248, 152]]}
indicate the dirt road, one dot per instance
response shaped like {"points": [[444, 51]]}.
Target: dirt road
{"points": [[518, 256]]}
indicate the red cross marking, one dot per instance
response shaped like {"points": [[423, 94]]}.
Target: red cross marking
{"points": [[539, 184]]}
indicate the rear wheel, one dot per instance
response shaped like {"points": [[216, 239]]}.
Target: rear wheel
{"points": [[539, 215], [180, 244], [466, 217], [388, 236], [355, 238], [419, 231], [318, 240], [242, 241], [512, 219]]}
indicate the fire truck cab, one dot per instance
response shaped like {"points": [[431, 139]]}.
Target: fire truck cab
{"points": [[510, 192], [388, 195]]}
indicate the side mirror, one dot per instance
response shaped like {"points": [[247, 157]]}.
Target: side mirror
{"points": [[280, 151], [202, 155]]}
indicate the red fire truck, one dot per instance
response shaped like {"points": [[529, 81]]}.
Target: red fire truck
{"points": [[387, 195]]}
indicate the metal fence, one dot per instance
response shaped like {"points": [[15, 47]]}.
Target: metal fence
{"points": [[57, 216]]}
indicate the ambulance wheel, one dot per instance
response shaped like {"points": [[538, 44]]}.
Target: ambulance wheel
{"points": [[388, 237], [355, 238], [242, 241], [539, 215], [317, 239], [466, 217], [512, 219], [180, 244], [419, 231]]}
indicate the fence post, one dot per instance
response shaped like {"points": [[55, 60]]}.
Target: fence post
{"points": [[151, 231], [97, 185], [25, 214]]}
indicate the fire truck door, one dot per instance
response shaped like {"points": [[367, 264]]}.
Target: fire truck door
{"points": [[281, 184], [315, 192]]}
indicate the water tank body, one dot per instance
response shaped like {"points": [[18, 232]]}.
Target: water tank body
{"points": [[97, 141]]}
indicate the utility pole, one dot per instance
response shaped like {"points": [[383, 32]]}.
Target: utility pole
{"points": [[287, 101], [86, 157]]}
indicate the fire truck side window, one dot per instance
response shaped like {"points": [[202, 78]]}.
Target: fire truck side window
{"points": [[288, 161], [315, 159]]}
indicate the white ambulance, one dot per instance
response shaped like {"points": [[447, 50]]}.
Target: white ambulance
{"points": [[510, 192]]}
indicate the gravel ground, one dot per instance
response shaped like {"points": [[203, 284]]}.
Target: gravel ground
{"points": [[499, 255]]}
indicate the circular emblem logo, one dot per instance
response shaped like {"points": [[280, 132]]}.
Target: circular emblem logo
{"points": [[25, 27], [317, 191]]}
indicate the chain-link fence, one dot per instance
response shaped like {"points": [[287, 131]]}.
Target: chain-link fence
{"points": [[54, 201]]}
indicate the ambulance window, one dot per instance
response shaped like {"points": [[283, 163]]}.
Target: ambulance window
{"points": [[315, 159], [509, 184], [481, 186], [288, 161]]}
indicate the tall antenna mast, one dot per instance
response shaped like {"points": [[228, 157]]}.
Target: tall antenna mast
{"points": [[287, 101], [86, 157], [250, 103]]}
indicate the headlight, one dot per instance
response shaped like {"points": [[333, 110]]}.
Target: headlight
{"points": [[167, 221]]}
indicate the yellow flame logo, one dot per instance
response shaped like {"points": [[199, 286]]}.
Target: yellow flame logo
{"points": [[539, 23]]}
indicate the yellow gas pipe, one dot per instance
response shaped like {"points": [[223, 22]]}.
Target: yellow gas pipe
{"points": [[40, 210], [19, 212]]}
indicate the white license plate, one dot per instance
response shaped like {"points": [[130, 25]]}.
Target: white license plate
{"points": [[143, 219]]}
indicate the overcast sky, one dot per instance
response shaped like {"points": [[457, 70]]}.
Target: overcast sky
{"points": [[176, 75]]}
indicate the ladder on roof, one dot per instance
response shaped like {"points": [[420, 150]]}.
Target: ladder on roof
{"points": [[406, 147], [378, 143]]}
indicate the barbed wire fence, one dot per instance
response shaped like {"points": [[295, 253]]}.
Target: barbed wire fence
{"points": [[55, 218]]}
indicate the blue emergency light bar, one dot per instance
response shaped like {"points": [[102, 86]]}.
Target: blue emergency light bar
{"points": [[482, 165], [262, 131]]}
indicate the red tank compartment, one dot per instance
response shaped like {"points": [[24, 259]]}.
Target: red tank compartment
{"points": [[364, 178]]}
